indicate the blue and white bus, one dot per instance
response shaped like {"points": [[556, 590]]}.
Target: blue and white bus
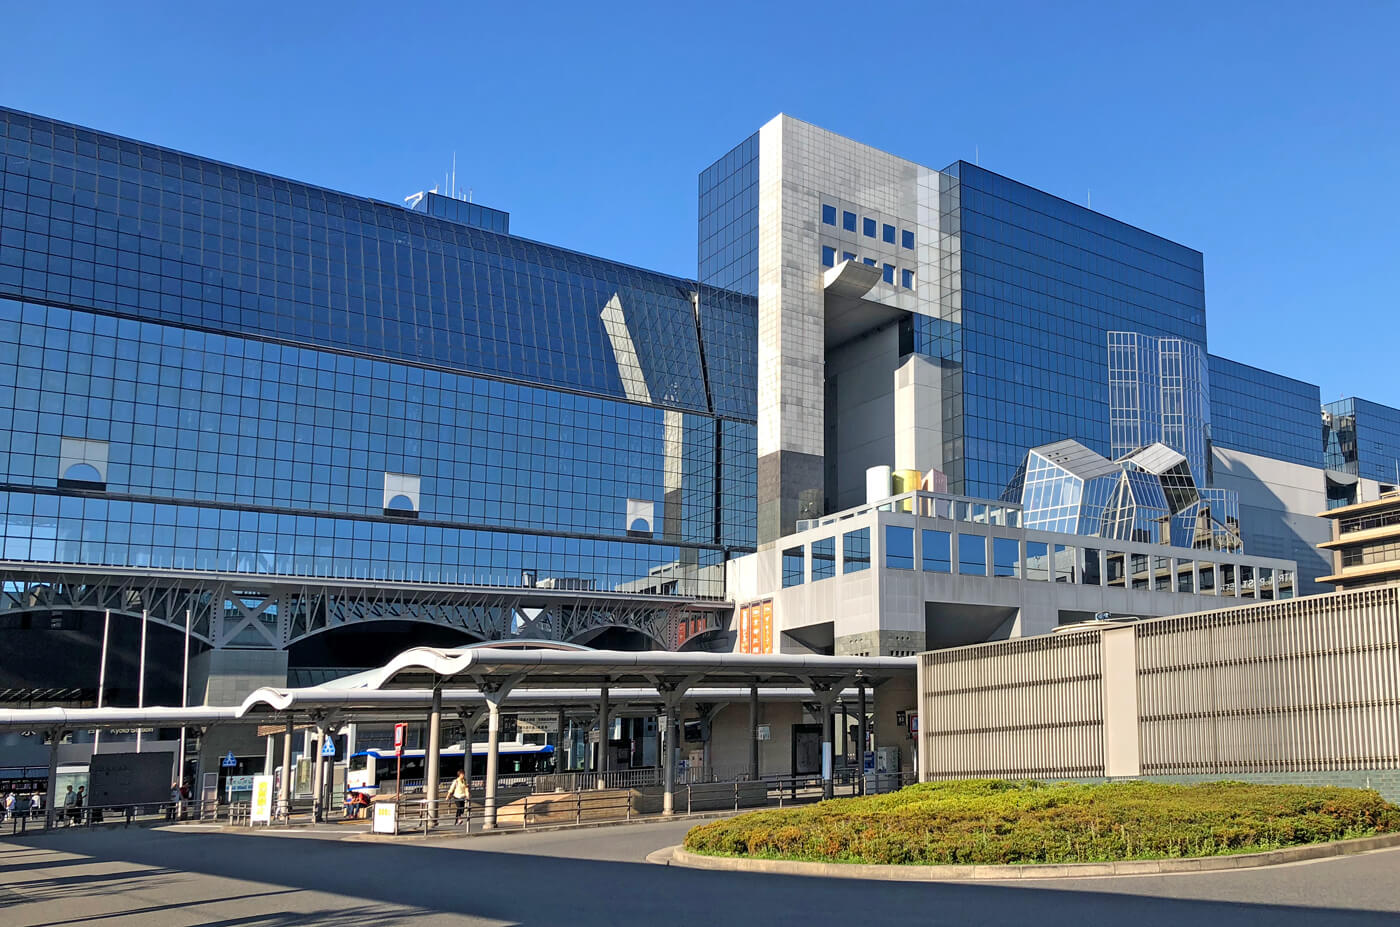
{"points": [[368, 768]]}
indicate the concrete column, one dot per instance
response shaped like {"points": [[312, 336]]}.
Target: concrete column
{"points": [[51, 796], [668, 761], [559, 722], [862, 737], [589, 764], [603, 728], [660, 738], [434, 756], [493, 763], [753, 732], [828, 748], [284, 793], [270, 756], [316, 810]]}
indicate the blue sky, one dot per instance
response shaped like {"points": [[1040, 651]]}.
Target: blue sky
{"points": [[1264, 134]]}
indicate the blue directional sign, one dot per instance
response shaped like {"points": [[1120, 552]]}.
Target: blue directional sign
{"points": [[328, 747], [229, 760]]}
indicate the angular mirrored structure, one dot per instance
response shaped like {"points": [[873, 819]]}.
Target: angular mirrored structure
{"points": [[1146, 496], [1212, 523], [1172, 470], [1064, 487]]}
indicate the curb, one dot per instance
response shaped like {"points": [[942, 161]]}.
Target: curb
{"points": [[677, 856], [536, 828]]}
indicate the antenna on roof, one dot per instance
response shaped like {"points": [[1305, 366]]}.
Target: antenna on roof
{"points": [[1089, 198]]}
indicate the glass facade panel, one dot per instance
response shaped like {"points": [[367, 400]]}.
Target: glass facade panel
{"points": [[1038, 565], [1032, 286], [258, 353], [899, 547], [1006, 557], [972, 555], [1064, 565], [1263, 413], [823, 559], [937, 552], [1362, 438], [794, 566], [855, 551]]}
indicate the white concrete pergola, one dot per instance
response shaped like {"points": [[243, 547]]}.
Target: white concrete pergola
{"points": [[418, 679], [498, 672]]}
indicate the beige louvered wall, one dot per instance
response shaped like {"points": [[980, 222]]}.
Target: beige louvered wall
{"points": [[1300, 685], [1295, 686], [1024, 708]]}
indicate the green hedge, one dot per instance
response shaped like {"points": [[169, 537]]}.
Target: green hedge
{"points": [[994, 821]]}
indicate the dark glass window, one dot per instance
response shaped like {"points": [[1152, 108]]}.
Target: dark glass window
{"points": [[823, 559], [887, 233], [1006, 557], [887, 273], [828, 256], [907, 278], [793, 566], [937, 551], [848, 221], [869, 228], [869, 261], [855, 550], [1037, 560], [848, 256], [972, 555], [828, 214], [907, 238], [899, 547]]}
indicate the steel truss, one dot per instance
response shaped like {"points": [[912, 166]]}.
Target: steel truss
{"points": [[233, 610]]}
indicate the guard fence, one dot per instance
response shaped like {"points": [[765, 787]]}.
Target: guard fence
{"points": [[591, 805]]}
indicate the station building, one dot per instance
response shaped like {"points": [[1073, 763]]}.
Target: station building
{"points": [[302, 430]]}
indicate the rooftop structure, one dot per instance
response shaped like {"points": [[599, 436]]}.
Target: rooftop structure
{"points": [[923, 570]]}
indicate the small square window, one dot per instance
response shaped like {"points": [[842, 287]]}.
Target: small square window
{"points": [[906, 277], [908, 238], [828, 256], [888, 273], [828, 214], [869, 228], [847, 256], [848, 221], [888, 233]]}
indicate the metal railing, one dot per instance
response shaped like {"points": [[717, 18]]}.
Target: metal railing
{"points": [[26, 820], [590, 805]]}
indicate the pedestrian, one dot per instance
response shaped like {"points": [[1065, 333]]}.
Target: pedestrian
{"points": [[460, 792], [36, 802], [173, 814], [7, 810], [79, 804], [70, 801]]}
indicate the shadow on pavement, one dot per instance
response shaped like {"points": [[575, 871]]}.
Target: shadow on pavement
{"points": [[516, 888]]}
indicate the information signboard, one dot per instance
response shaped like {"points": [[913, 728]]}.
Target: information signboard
{"points": [[260, 810], [386, 817], [235, 784]]}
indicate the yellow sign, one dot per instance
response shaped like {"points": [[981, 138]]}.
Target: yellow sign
{"points": [[260, 810]]}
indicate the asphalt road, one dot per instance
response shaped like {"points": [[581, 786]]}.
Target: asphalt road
{"points": [[598, 877]]}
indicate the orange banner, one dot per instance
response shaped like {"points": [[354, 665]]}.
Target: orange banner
{"points": [[768, 626]]}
